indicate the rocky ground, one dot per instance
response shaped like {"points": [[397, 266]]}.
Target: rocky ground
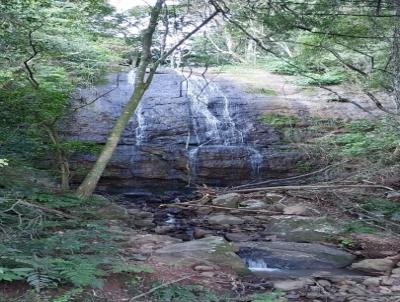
{"points": [[214, 240]]}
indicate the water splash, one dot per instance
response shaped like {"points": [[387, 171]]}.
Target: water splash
{"points": [[140, 129], [259, 265]]}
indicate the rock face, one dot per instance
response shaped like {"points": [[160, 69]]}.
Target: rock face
{"points": [[183, 130], [224, 219], [207, 251], [294, 256]]}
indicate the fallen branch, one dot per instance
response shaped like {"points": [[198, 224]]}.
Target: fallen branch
{"points": [[312, 187], [290, 178], [186, 206], [44, 209], [158, 287]]}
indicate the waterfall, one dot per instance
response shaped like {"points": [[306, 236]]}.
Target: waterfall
{"points": [[259, 265], [213, 123]]}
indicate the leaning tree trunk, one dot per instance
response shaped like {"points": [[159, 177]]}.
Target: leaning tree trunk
{"points": [[89, 184], [396, 57]]}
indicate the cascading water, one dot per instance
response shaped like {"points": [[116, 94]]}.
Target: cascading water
{"points": [[213, 124]]}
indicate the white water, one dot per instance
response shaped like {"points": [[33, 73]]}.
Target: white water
{"points": [[259, 265]]}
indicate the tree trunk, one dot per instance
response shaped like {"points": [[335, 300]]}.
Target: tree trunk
{"points": [[61, 159], [89, 184], [396, 57]]}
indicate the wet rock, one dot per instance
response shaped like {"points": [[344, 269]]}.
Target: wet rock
{"points": [[139, 213], [296, 210], [112, 212], [288, 285], [374, 266], [230, 200], [154, 144], [254, 204], [225, 219], [210, 250], [291, 255]]}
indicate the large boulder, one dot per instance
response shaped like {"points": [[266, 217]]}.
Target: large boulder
{"points": [[208, 251], [302, 228], [230, 200], [374, 266], [294, 256]]}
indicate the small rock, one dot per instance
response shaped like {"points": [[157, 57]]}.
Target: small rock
{"points": [[207, 274], [144, 223], [237, 237], [140, 213], [387, 281], [396, 271], [296, 210], [374, 281], [199, 233], [288, 285], [230, 200], [225, 219], [396, 288], [273, 197], [325, 283], [204, 211], [385, 290], [204, 268], [163, 229], [253, 204], [393, 196], [373, 266]]}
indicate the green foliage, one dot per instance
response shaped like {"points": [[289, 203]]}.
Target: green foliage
{"points": [[264, 91], [366, 138], [123, 267], [69, 295], [325, 79], [384, 207], [184, 293], [359, 227], [278, 120], [280, 66]]}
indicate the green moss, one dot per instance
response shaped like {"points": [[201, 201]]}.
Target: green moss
{"points": [[263, 91], [279, 120]]}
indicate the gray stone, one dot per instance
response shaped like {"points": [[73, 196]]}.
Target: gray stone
{"points": [[301, 228], [288, 285], [296, 210], [393, 196], [254, 204], [291, 255], [230, 200], [396, 271], [224, 219], [374, 266], [208, 251], [374, 281]]}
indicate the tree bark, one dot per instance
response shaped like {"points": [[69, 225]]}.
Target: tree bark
{"points": [[89, 184]]}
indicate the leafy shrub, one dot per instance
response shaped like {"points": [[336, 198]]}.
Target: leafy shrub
{"points": [[315, 79], [268, 297], [184, 293], [279, 120]]}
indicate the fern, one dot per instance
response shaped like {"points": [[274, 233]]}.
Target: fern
{"points": [[69, 295], [40, 280], [121, 267]]}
